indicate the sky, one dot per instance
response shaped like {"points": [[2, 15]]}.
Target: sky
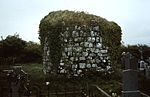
{"points": [[23, 16]]}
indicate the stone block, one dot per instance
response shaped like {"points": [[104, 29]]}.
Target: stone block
{"points": [[131, 93], [130, 80]]}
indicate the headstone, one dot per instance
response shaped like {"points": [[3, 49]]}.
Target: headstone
{"points": [[142, 65], [149, 61], [130, 76], [148, 73]]}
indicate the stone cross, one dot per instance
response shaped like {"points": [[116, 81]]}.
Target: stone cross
{"points": [[130, 76]]}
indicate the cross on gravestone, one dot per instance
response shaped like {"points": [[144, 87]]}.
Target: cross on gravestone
{"points": [[130, 76]]}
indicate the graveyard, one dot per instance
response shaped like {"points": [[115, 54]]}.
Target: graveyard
{"points": [[81, 57]]}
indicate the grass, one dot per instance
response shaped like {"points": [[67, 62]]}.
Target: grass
{"points": [[35, 72], [60, 83]]}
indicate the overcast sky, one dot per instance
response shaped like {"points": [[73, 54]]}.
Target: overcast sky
{"points": [[23, 16]]}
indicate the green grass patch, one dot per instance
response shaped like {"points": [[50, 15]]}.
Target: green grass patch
{"points": [[35, 72], [61, 83]]}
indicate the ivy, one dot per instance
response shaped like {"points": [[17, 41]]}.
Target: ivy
{"points": [[56, 22]]}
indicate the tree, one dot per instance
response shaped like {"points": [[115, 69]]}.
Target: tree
{"points": [[135, 50], [12, 47], [32, 52]]}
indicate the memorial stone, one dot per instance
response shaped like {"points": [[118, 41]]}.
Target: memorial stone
{"points": [[130, 77], [148, 73]]}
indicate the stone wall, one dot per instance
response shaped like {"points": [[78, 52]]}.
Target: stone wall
{"points": [[81, 50]]}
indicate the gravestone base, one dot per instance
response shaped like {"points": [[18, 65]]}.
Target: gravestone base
{"points": [[130, 93], [130, 80]]}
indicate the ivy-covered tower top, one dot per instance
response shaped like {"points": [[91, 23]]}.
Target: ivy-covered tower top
{"points": [[74, 42]]}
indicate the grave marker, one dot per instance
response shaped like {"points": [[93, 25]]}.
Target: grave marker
{"points": [[130, 76]]}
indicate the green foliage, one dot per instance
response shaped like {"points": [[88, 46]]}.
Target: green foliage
{"points": [[12, 46], [135, 50], [11, 49], [32, 53], [55, 42], [15, 50], [35, 72], [54, 23]]}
